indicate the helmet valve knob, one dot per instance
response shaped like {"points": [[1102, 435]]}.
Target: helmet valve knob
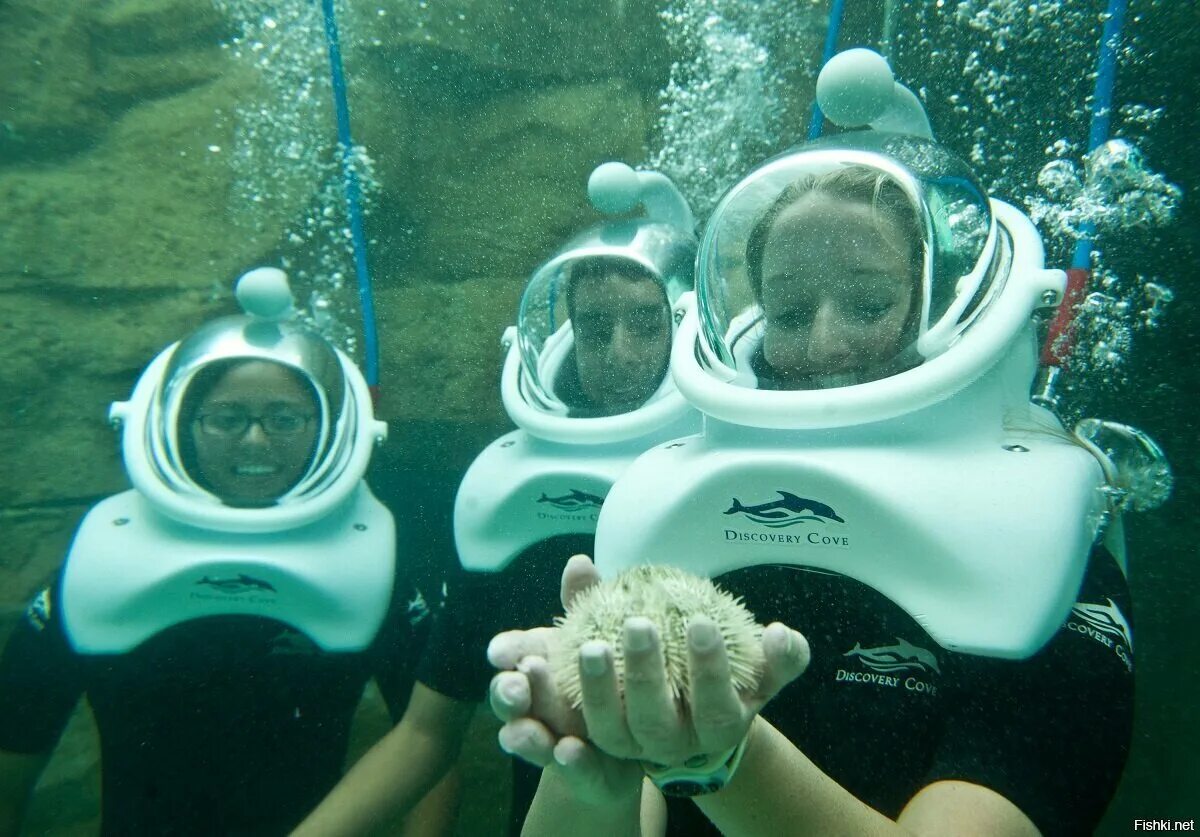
{"points": [[264, 293]]}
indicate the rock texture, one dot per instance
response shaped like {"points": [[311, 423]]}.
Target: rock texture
{"points": [[152, 150]]}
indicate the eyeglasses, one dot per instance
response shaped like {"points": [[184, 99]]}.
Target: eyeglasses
{"points": [[229, 424]]}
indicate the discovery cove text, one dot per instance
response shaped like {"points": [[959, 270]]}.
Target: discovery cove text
{"points": [[773, 537]]}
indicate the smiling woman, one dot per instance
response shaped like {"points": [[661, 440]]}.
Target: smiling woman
{"points": [[248, 431], [249, 573]]}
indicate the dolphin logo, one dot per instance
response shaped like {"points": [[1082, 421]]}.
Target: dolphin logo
{"points": [[786, 511], [891, 658], [574, 501], [417, 608], [288, 643], [38, 612], [1106, 619], [241, 584]]}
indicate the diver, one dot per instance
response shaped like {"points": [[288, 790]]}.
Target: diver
{"points": [[223, 616], [873, 474], [585, 381], [589, 393], [621, 323]]}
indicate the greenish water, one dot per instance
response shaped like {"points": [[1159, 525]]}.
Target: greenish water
{"points": [[151, 150]]}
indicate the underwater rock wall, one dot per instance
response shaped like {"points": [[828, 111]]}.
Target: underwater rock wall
{"points": [[127, 129], [124, 221]]}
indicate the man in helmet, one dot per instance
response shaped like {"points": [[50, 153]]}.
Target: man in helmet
{"points": [[621, 321], [586, 383]]}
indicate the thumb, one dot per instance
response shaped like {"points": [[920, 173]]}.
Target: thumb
{"points": [[578, 575], [787, 656]]}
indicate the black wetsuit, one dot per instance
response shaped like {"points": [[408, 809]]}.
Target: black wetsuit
{"points": [[229, 725], [882, 708], [480, 605], [885, 711]]}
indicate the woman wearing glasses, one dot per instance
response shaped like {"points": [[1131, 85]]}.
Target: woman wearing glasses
{"points": [[223, 616], [250, 430]]}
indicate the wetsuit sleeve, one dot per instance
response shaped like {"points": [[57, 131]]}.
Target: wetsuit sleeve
{"points": [[401, 644], [524, 594], [1051, 734], [455, 660], [41, 679]]}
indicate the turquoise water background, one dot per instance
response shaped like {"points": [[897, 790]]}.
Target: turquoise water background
{"points": [[152, 150]]}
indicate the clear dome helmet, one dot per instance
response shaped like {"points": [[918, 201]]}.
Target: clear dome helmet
{"points": [[905, 282], [907, 442], [915, 223], [155, 445], [838, 283], [621, 279]]}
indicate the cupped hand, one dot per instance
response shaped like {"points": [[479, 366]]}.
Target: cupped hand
{"points": [[539, 724], [598, 746], [647, 723], [524, 695]]}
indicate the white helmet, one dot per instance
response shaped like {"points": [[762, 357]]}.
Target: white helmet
{"points": [[156, 453], [541, 388], [886, 241]]}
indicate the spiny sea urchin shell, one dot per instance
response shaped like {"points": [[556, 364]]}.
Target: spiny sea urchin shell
{"points": [[670, 598]]}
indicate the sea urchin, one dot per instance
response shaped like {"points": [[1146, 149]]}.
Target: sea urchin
{"points": [[670, 598]]}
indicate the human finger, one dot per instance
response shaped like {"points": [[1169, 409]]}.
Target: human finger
{"points": [[578, 575], [528, 739], [509, 695], [602, 706], [651, 711], [546, 704], [509, 648], [594, 776], [719, 717], [787, 655], [579, 765]]}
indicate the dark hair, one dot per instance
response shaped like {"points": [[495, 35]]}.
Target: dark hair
{"points": [[603, 268], [852, 184]]}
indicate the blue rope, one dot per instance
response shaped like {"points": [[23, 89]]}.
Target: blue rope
{"points": [[1106, 75], [353, 198], [832, 31]]}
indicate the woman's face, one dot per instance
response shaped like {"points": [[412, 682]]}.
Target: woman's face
{"points": [[253, 433], [838, 287], [622, 331]]}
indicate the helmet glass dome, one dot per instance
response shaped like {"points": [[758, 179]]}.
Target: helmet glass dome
{"points": [[845, 261], [251, 413], [253, 423], [596, 321]]}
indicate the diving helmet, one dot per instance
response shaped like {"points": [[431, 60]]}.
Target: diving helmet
{"points": [[855, 279], [621, 279], [156, 446]]}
